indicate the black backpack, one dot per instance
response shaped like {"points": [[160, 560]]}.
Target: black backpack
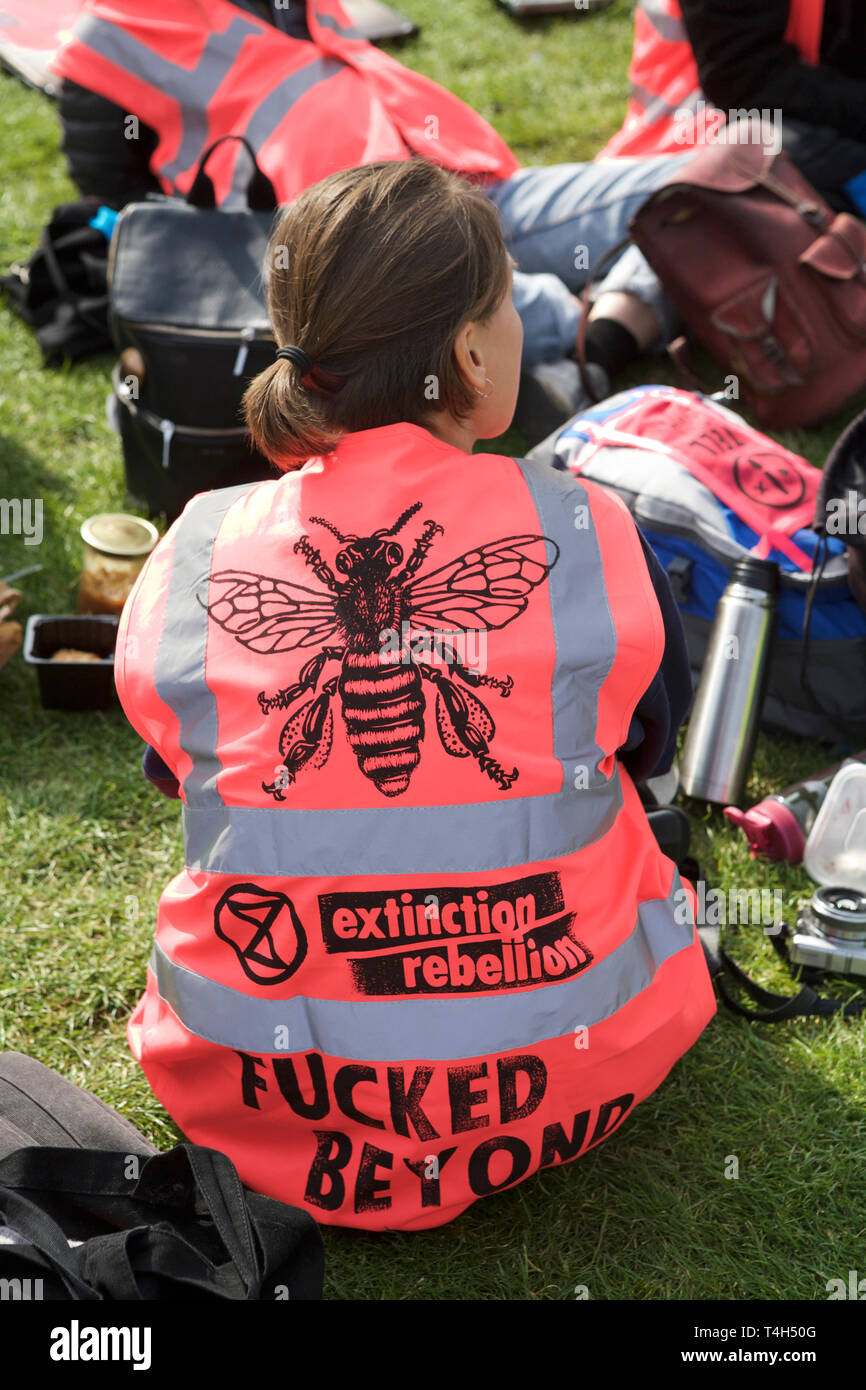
{"points": [[189, 321], [61, 291]]}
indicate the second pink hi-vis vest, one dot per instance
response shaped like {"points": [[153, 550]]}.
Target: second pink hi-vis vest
{"points": [[424, 943], [663, 75], [194, 70]]}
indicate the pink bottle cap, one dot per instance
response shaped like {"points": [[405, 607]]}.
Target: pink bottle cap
{"points": [[771, 830]]}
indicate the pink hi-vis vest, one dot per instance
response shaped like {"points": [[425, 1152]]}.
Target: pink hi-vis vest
{"points": [[663, 75], [194, 70], [424, 942]]}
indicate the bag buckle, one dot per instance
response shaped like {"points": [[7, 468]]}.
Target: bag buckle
{"points": [[773, 350], [812, 214], [679, 573]]}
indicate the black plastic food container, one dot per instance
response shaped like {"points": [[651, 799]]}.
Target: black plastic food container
{"points": [[72, 684]]}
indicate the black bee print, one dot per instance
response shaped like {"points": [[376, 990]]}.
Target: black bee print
{"points": [[382, 692]]}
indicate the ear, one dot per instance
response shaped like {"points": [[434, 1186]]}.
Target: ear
{"points": [[469, 354]]}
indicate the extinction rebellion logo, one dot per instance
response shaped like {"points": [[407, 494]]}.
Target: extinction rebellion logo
{"points": [[433, 939], [264, 931]]}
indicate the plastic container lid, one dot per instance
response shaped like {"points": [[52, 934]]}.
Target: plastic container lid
{"points": [[771, 829], [118, 533], [835, 852]]}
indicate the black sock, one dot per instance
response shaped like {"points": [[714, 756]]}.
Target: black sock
{"points": [[610, 344]]}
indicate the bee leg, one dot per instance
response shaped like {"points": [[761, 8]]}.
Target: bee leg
{"points": [[308, 679], [455, 667], [422, 545], [305, 741], [470, 725], [304, 547]]}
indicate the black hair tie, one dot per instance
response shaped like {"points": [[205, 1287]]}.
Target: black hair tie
{"points": [[297, 355]]}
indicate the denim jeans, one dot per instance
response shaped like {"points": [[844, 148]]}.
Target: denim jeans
{"points": [[558, 221]]}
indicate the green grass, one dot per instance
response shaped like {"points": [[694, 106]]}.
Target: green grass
{"points": [[86, 844]]}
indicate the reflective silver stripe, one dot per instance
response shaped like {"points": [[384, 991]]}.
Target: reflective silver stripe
{"points": [[463, 839], [656, 108], [665, 25], [672, 30], [437, 1029], [327, 21], [273, 108], [194, 88], [585, 648], [184, 637]]}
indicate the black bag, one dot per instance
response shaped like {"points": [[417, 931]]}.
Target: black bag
{"points": [[189, 320], [61, 292], [183, 1228]]}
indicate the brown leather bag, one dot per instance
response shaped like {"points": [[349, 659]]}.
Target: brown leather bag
{"points": [[765, 275]]}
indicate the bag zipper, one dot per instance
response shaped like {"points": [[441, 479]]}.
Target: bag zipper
{"points": [[247, 337], [167, 430]]}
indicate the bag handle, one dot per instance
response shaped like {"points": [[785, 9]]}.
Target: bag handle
{"points": [[220, 1186], [218, 1189], [261, 194], [47, 1238]]}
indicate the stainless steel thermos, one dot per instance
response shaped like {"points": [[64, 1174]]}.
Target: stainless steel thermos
{"points": [[727, 710]]}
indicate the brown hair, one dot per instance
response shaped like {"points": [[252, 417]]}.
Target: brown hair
{"points": [[372, 272]]}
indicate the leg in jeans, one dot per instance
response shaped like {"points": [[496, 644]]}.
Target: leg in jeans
{"points": [[558, 222]]}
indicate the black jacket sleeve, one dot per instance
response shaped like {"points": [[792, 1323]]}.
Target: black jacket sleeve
{"points": [[102, 162], [156, 771], [652, 737], [743, 62]]}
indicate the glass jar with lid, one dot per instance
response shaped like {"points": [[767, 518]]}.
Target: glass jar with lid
{"points": [[116, 546]]}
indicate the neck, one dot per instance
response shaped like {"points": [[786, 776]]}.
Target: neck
{"points": [[444, 426]]}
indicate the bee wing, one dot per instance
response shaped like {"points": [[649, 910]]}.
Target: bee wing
{"points": [[270, 615], [486, 587]]}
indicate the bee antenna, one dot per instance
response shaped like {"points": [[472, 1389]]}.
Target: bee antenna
{"points": [[320, 521], [401, 521]]}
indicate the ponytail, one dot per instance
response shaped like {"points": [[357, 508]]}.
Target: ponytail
{"points": [[288, 419], [370, 275]]}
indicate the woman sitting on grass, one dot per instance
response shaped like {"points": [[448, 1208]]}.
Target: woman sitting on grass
{"points": [[425, 942]]}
